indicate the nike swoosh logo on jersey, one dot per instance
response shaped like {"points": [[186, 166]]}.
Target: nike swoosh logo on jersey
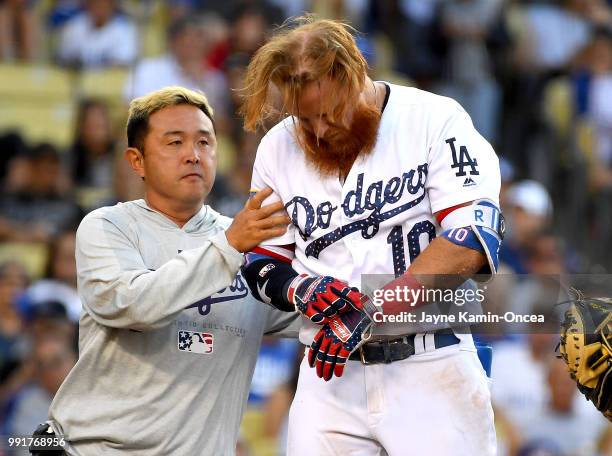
{"points": [[262, 294]]}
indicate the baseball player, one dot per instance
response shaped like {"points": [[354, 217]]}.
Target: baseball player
{"points": [[169, 334], [378, 179]]}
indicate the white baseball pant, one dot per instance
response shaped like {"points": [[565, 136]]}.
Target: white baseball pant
{"points": [[433, 403]]}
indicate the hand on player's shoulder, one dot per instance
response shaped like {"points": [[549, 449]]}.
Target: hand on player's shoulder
{"points": [[256, 223]]}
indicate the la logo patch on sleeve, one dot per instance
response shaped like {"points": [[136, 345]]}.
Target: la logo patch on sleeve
{"points": [[195, 342]]}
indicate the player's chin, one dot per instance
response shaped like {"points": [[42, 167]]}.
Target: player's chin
{"points": [[194, 195]]}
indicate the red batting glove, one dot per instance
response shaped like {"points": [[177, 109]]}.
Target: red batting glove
{"points": [[336, 340], [322, 298]]}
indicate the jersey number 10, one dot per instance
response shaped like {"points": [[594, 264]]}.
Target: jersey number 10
{"points": [[396, 239]]}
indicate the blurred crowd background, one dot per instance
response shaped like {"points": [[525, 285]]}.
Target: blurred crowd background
{"points": [[535, 76]]}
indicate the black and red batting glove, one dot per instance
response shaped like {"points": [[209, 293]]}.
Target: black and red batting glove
{"points": [[336, 340], [322, 298]]}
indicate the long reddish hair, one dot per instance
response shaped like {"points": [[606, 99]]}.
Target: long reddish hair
{"points": [[300, 52]]}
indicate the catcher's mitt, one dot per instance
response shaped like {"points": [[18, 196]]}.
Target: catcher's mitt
{"points": [[585, 346]]}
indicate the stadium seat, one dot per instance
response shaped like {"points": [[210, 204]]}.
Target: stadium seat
{"points": [[106, 85], [37, 101], [35, 82], [90, 197], [32, 256], [40, 122], [252, 431], [558, 106]]}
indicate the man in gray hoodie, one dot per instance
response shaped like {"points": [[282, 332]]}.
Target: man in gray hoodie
{"points": [[169, 333]]}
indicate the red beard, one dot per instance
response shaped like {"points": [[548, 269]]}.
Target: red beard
{"points": [[335, 155]]}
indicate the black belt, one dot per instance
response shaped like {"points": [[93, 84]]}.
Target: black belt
{"points": [[387, 351]]}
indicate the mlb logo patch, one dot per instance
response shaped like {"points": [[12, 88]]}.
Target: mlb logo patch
{"points": [[195, 342], [266, 269]]}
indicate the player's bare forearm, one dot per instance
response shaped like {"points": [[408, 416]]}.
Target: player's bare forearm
{"points": [[443, 258], [441, 265]]}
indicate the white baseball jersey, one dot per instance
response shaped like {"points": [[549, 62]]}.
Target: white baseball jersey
{"points": [[428, 157], [168, 336]]}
